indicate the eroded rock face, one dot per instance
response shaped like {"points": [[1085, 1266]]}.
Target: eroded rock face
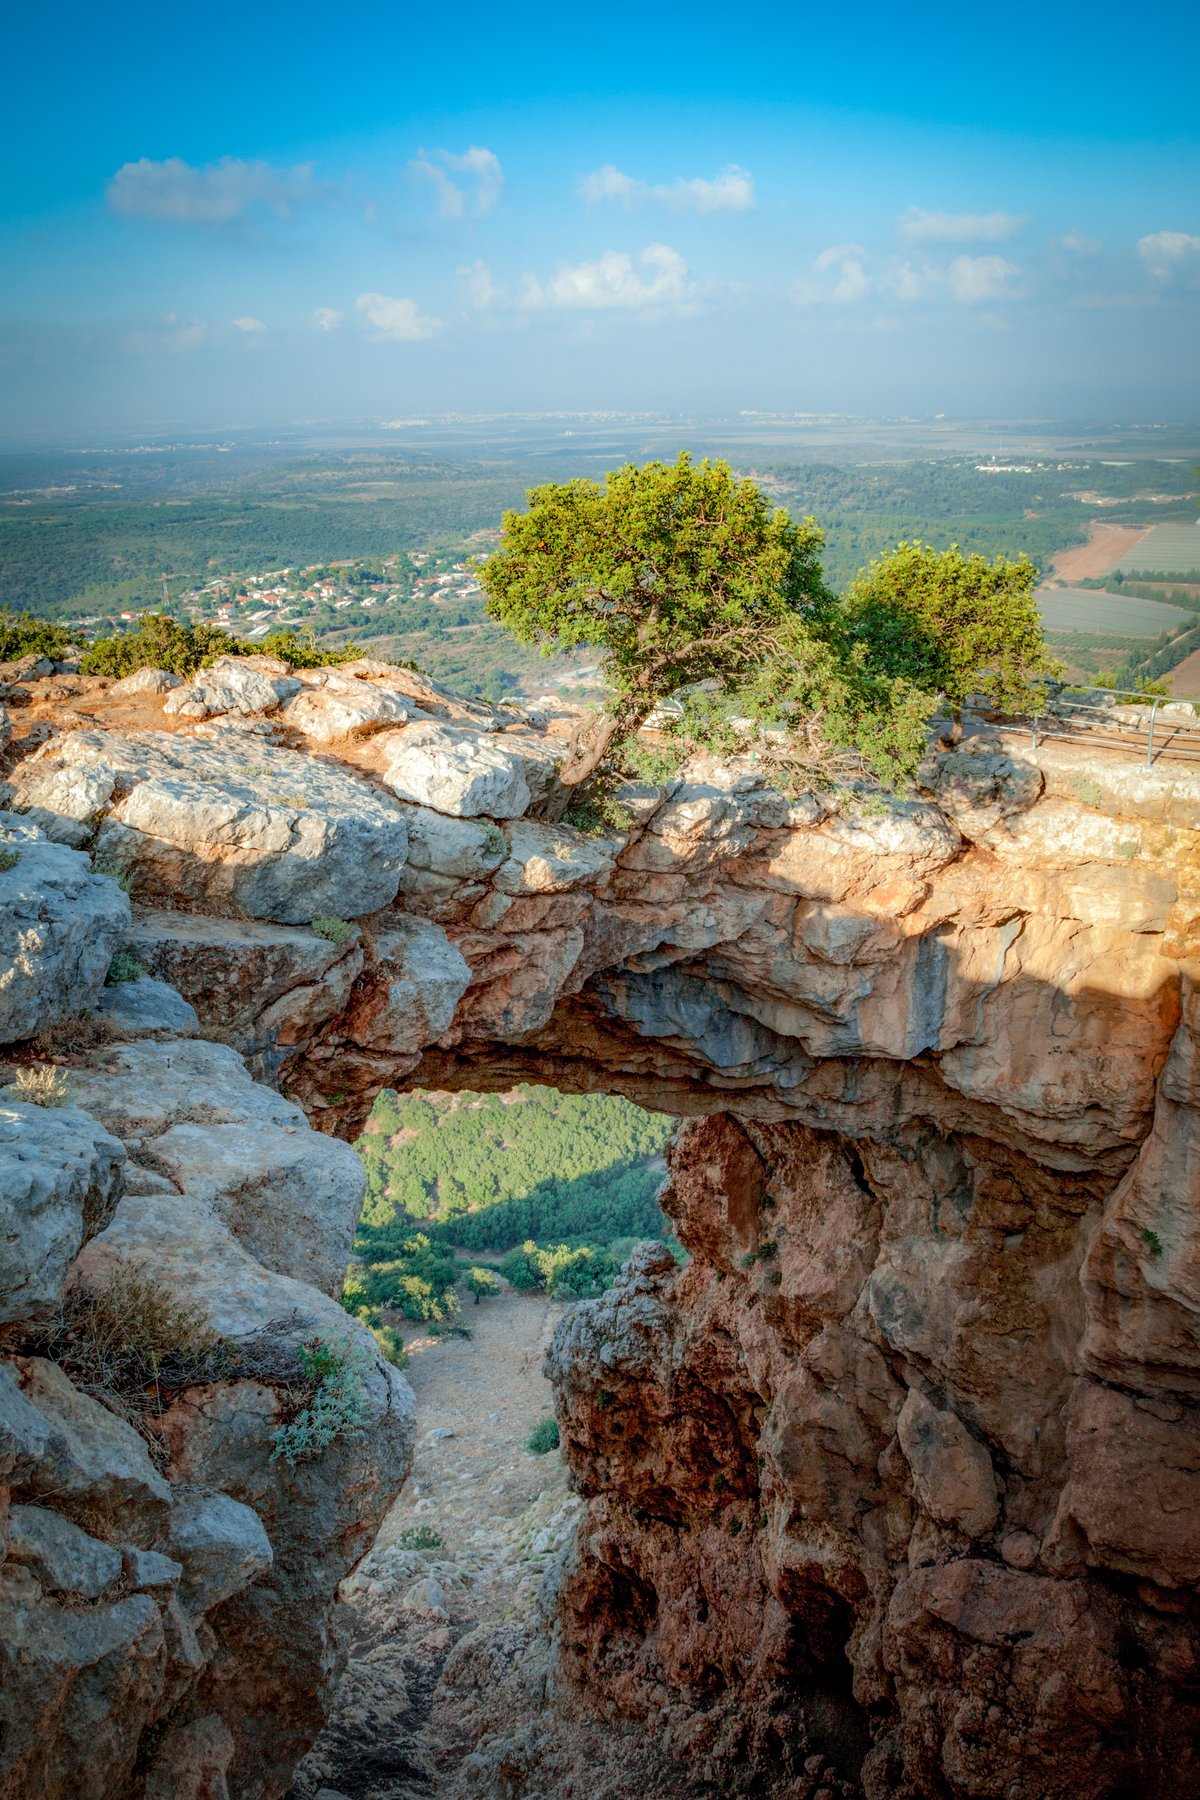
{"points": [[892, 1490], [168, 1582]]}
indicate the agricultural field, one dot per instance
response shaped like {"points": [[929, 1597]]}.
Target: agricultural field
{"points": [[1092, 610], [1170, 550]]}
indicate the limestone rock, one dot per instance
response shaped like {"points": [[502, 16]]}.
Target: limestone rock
{"points": [[246, 979], [270, 833], [291, 1196], [550, 860], [457, 772], [61, 1556], [221, 1545], [59, 926], [89, 1458], [333, 706], [146, 1008], [144, 681], [951, 1470], [232, 684], [61, 1175], [418, 979]]}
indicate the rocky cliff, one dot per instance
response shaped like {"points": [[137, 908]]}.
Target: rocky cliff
{"points": [[894, 1488]]}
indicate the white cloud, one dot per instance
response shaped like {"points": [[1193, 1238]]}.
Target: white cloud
{"points": [[216, 195], [249, 325], [613, 282], [731, 190], [481, 290], [1080, 245], [327, 318], [913, 281], [920, 226], [1166, 253], [976, 278], [846, 262], [485, 180], [967, 280], [397, 320]]}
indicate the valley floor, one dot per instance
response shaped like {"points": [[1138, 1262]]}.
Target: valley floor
{"points": [[500, 1513]]}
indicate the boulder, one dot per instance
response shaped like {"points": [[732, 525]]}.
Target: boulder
{"points": [[61, 1175], [144, 681], [333, 706], [221, 1545], [951, 1470], [232, 684], [61, 1556], [289, 1194], [246, 979], [59, 926], [224, 827], [146, 1008], [546, 859], [416, 983], [88, 1460], [458, 772]]}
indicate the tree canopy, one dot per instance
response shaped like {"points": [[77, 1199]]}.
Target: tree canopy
{"points": [[953, 624], [675, 573]]}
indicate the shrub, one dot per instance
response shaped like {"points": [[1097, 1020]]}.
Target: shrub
{"points": [[41, 1084], [124, 967], [336, 1404], [544, 1436], [333, 928], [391, 1345], [419, 1537], [158, 642], [301, 649], [23, 635], [1152, 1241], [558, 1268]]}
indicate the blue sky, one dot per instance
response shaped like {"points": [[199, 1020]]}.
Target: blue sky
{"points": [[247, 216]]}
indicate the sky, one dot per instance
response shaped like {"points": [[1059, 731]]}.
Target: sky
{"points": [[239, 217]]}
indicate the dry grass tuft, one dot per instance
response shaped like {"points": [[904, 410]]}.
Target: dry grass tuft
{"points": [[41, 1084]]}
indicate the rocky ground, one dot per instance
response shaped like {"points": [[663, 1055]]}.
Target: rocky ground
{"points": [[464, 1549]]}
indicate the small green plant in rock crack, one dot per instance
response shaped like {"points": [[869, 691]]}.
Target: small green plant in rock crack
{"points": [[116, 871], [1128, 850], [494, 841], [544, 1436], [40, 1084], [334, 929], [1087, 790], [8, 859], [124, 967], [1152, 1241], [333, 1371]]}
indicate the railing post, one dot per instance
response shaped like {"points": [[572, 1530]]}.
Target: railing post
{"points": [[1150, 739], [1035, 723]]}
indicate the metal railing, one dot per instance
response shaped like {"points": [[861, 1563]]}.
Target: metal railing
{"points": [[1120, 719]]}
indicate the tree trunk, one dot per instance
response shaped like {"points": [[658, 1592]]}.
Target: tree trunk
{"points": [[589, 746], [949, 739]]}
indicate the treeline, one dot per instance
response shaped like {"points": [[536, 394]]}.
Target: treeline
{"points": [[437, 1157], [564, 1184]]}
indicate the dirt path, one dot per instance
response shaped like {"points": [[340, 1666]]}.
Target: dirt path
{"points": [[1106, 542], [465, 1545]]}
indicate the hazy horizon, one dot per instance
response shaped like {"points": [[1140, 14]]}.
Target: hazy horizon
{"points": [[273, 221]]}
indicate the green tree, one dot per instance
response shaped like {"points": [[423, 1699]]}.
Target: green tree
{"points": [[954, 624], [675, 573]]}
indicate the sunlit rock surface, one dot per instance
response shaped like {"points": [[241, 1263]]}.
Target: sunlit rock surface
{"points": [[893, 1489]]}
